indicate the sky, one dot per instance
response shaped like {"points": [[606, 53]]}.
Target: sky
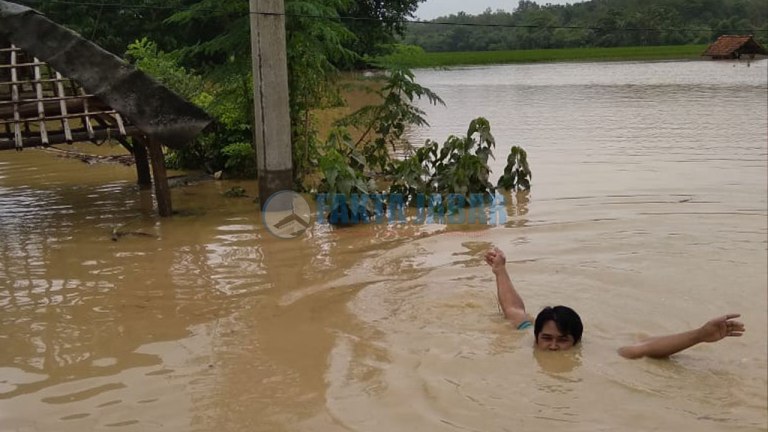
{"points": [[431, 9]]}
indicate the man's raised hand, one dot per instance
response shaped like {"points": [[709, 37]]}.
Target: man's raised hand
{"points": [[721, 327], [496, 259]]}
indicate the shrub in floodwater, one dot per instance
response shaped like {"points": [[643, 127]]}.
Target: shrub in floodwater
{"points": [[458, 167], [517, 175], [443, 178]]}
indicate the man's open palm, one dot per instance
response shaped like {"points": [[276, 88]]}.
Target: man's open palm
{"points": [[721, 327]]}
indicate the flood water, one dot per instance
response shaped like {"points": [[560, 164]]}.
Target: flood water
{"points": [[648, 215]]}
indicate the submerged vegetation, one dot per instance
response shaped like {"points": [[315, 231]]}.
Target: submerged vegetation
{"points": [[427, 176]]}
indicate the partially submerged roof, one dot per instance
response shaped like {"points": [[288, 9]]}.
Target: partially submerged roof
{"points": [[728, 45], [50, 75]]}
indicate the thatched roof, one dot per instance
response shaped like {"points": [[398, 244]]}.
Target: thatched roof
{"points": [[731, 45], [50, 76]]}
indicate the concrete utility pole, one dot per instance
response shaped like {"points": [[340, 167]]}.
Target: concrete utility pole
{"points": [[272, 123]]}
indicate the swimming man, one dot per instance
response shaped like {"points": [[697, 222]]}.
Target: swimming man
{"points": [[560, 328]]}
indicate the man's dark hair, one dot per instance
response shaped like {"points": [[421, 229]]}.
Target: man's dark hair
{"points": [[566, 319]]}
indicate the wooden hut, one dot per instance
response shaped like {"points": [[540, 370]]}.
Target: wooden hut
{"points": [[730, 47], [57, 87]]}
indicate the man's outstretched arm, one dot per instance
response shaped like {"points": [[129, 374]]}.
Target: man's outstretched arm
{"points": [[664, 346], [510, 301]]}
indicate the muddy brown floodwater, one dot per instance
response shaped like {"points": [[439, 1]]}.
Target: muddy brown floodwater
{"points": [[648, 215]]}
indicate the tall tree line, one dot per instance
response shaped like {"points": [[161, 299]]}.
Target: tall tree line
{"points": [[212, 24], [596, 23]]}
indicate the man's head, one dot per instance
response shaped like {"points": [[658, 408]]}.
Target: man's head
{"points": [[557, 328]]}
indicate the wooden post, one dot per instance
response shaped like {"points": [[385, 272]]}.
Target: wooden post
{"points": [[162, 191], [142, 164], [272, 124], [146, 203]]}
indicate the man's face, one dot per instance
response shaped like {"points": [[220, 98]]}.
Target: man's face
{"points": [[550, 338]]}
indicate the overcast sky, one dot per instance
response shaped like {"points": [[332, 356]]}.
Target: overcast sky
{"points": [[434, 8]]}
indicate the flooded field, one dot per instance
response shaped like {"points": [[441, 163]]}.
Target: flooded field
{"points": [[648, 215]]}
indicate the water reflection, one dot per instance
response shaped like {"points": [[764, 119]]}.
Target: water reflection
{"points": [[517, 208], [77, 305]]}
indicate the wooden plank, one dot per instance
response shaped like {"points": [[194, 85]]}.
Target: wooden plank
{"points": [[86, 115], [48, 99], [12, 66], [15, 96], [119, 120], [34, 81], [107, 122], [40, 105], [59, 138], [63, 107], [86, 119], [160, 177], [142, 165], [52, 108]]}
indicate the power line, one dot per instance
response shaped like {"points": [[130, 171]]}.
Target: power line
{"points": [[98, 18], [404, 21]]}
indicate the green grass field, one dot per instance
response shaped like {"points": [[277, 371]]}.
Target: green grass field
{"points": [[443, 59]]}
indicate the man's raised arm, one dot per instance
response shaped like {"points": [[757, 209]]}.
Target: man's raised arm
{"points": [[510, 301], [664, 346]]}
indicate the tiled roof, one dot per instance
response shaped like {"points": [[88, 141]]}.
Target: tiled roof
{"points": [[727, 44]]}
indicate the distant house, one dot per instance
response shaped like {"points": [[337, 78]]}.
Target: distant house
{"points": [[731, 47]]}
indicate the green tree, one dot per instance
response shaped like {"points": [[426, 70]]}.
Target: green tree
{"points": [[114, 25], [226, 147], [377, 24]]}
